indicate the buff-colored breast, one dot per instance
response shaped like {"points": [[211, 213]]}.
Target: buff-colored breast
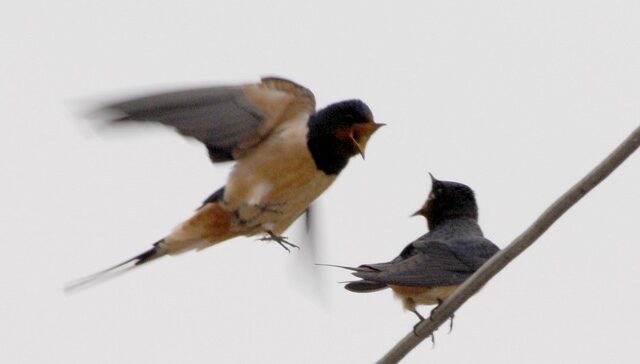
{"points": [[423, 295], [274, 184]]}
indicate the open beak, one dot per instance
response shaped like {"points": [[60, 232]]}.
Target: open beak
{"points": [[363, 132]]}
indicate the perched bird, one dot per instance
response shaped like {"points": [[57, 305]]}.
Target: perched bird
{"points": [[286, 154], [430, 268]]}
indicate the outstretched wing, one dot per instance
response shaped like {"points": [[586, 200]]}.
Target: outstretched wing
{"points": [[229, 120], [436, 264]]}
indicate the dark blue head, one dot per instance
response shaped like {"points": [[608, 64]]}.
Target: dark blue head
{"points": [[345, 113], [338, 132], [448, 200]]}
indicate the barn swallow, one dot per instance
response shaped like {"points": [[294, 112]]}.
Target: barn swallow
{"points": [[429, 269], [286, 154]]}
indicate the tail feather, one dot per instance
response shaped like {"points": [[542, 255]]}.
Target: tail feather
{"points": [[355, 269], [365, 286], [154, 253], [362, 268], [360, 285]]}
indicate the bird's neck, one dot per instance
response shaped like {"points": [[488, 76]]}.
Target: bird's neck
{"points": [[328, 152], [460, 220]]}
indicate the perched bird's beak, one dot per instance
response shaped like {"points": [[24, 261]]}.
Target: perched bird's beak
{"points": [[360, 134], [422, 211], [418, 213]]}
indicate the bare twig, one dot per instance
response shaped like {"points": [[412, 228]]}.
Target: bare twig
{"points": [[522, 242]]}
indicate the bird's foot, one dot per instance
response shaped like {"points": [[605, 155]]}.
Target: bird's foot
{"points": [[420, 318], [415, 333], [282, 240], [450, 317]]}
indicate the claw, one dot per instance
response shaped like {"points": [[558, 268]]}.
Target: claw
{"points": [[282, 240], [414, 329]]}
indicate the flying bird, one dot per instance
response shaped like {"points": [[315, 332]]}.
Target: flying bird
{"points": [[430, 268], [286, 154]]}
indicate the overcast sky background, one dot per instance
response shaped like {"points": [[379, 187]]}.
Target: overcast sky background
{"points": [[516, 99]]}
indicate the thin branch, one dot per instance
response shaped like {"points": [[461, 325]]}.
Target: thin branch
{"points": [[522, 242]]}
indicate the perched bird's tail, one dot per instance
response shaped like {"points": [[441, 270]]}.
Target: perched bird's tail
{"points": [[363, 285], [156, 252]]}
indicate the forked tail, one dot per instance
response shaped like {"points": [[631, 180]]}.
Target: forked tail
{"points": [[361, 285], [154, 253]]}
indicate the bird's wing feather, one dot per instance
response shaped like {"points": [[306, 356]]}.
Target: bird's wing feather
{"points": [[229, 120], [472, 252], [436, 264]]}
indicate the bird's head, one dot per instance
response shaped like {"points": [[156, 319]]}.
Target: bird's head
{"points": [[448, 200], [340, 131]]}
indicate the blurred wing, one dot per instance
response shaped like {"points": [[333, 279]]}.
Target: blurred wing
{"points": [[229, 120], [435, 265], [308, 276], [308, 220], [312, 227]]}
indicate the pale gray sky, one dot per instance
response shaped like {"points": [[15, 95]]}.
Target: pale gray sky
{"points": [[516, 99]]}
